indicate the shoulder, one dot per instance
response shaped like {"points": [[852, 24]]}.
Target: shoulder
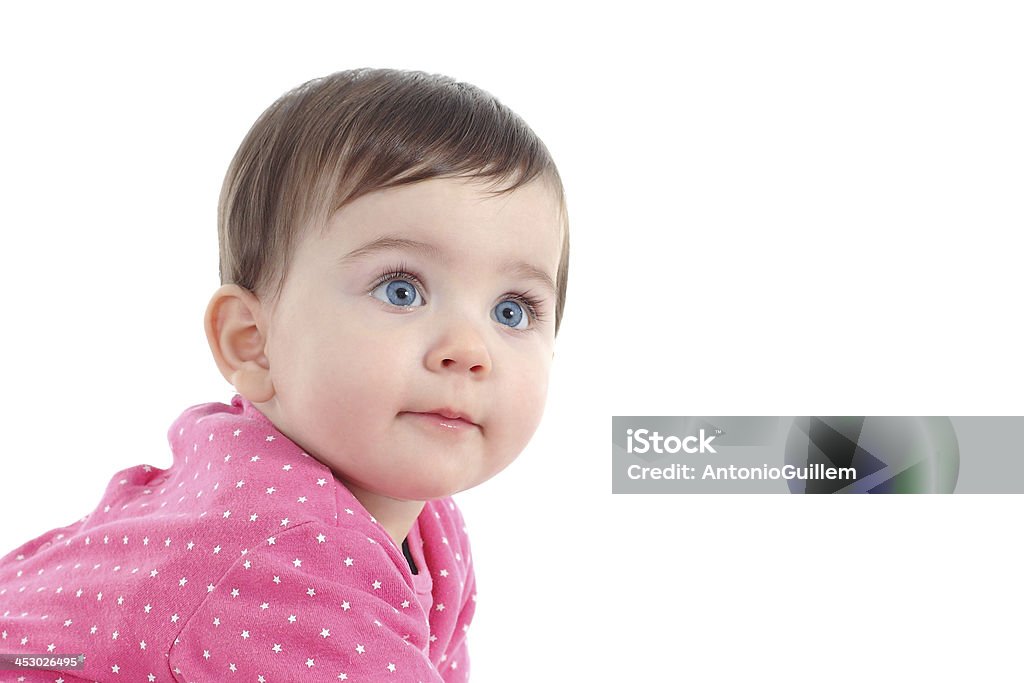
{"points": [[313, 595]]}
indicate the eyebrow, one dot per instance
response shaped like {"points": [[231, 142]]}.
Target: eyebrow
{"points": [[519, 269]]}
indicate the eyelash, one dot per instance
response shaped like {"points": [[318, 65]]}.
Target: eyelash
{"points": [[532, 304]]}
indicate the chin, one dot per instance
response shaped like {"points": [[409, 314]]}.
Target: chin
{"points": [[432, 492], [425, 490]]}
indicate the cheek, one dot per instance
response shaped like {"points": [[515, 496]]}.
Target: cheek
{"points": [[340, 376], [524, 406]]}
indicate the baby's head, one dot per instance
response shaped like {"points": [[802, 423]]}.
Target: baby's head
{"points": [[393, 254]]}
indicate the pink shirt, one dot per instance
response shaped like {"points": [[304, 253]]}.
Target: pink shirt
{"points": [[246, 560]]}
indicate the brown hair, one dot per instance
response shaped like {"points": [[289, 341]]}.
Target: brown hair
{"points": [[336, 138]]}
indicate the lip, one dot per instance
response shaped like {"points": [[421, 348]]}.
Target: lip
{"points": [[444, 418]]}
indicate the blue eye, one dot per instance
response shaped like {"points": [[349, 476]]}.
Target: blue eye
{"points": [[510, 313], [398, 293]]}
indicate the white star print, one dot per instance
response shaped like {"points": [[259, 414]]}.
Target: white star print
{"points": [[126, 517], [115, 669], [309, 662]]}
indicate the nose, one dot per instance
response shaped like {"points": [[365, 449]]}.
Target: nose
{"points": [[460, 350]]}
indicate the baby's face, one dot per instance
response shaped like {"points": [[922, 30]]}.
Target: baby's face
{"points": [[373, 333]]}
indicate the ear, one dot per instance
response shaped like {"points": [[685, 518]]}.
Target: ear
{"points": [[237, 337]]}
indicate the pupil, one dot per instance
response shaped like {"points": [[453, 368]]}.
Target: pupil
{"points": [[402, 292]]}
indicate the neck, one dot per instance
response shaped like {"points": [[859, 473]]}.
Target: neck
{"points": [[395, 516]]}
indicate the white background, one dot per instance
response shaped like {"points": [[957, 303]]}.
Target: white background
{"points": [[777, 209]]}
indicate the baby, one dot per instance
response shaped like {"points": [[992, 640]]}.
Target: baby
{"points": [[393, 252]]}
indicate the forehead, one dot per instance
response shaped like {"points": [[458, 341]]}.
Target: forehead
{"points": [[455, 221]]}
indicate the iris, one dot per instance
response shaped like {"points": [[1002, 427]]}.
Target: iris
{"points": [[509, 313]]}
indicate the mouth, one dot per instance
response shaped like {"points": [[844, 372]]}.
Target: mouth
{"points": [[444, 418]]}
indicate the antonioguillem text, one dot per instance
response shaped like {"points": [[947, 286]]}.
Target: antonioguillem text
{"points": [[678, 471]]}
